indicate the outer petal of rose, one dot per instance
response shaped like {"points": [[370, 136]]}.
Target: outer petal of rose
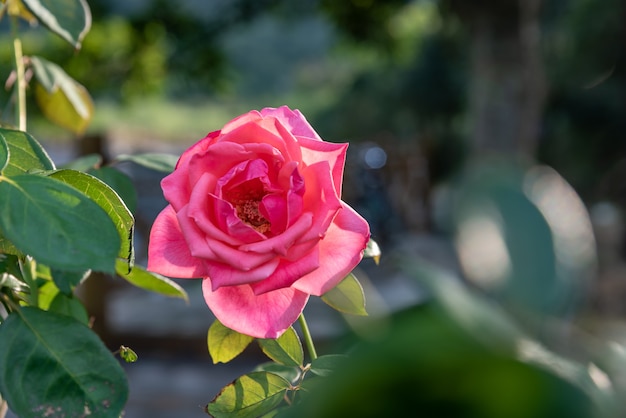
{"points": [[265, 132], [199, 147], [168, 253], [340, 251], [223, 275], [293, 120], [320, 198], [260, 316], [335, 154], [288, 272], [253, 115]]}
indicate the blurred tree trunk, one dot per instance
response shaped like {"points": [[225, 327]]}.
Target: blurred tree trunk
{"points": [[507, 90]]}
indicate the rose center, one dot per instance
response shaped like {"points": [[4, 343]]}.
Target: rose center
{"points": [[246, 198]]}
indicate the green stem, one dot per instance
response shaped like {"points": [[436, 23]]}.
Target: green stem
{"points": [[20, 84], [307, 337]]}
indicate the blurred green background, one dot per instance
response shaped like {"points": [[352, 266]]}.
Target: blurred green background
{"points": [[486, 139]]}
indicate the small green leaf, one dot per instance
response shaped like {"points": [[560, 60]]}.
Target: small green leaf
{"points": [[224, 343], [372, 251], [66, 281], [250, 396], [347, 297], [128, 355], [290, 373], [70, 19], [25, 153], [155, 161], [140, 277], [109, 201], [52, 365], [326, 365], [70, 306], [4, 154], [56, 224], [47, 292], [286, 349], [84, 163], [62, 99]]}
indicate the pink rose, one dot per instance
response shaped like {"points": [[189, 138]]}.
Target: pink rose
{"points": [[255, 210]]}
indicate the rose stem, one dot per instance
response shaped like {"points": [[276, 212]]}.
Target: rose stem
{"points": [[307, 337]]}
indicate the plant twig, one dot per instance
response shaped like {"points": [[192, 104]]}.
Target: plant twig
{"points": [[307, 337]]}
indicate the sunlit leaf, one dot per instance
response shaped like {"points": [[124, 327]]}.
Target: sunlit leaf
{"points": [[140, 277], [155, 161], [325, 365], [70, 306], [109, 201], [17, 8], [128, 355], [224, 343], [57, 225], [25, 153], [372, 251], [250, 396], [61, 98], [70, 19], [347, 296], [52, 365], [286, 349]]}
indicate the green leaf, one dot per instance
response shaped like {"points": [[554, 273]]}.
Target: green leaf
{"points": [[140, 277], [52, 365], [286, 349], [70, 19], [57, 225], [224, 343], [326, 365], [119, 182], [84, 163], [250, 396], [66, 281], [4, 153], [154, 161], [372, 251], [347, 296], [109, 201], [128, 355], [62, 99], [25, 153], [70, 306], [7, 247], [290, 373]]}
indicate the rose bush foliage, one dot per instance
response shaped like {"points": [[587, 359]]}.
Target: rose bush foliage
{"points": [[255, 210]]}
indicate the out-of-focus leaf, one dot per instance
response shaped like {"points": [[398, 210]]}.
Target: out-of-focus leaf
{"points": [[372, 251], [347, 296], [140, 277], [290, 373], [128, 355], [57, 225], [17, 8], [52, 365], [70, 306], [25, 153], [224, 343], [154, 161], [70, 19], [286, 349], [61, 98], [119, 182], [250, 396], [11, 282], [100, 193], [325, 365], [84, 163], [66, 281]]}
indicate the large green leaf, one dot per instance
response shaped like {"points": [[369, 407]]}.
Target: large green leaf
{"points": [[70, 306], [108, 200], [326, 365], [57, 225], [53, 366], [70, 19], [25, 153], [286, 349], [62, 99], [347, 297], [66, 281], [224, 343], [250, 396], [155, 161], [120, 182], [140, 277]]}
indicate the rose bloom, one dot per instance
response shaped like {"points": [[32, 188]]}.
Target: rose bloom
{"points": [[255, 210]]}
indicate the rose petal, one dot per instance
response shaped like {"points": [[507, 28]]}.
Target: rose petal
{"points": [[340, 251], [225, 275], [288, 272], [168, 253], [320, 199], [293, 120], [280, 244], [316, 151], [260, 316]]}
